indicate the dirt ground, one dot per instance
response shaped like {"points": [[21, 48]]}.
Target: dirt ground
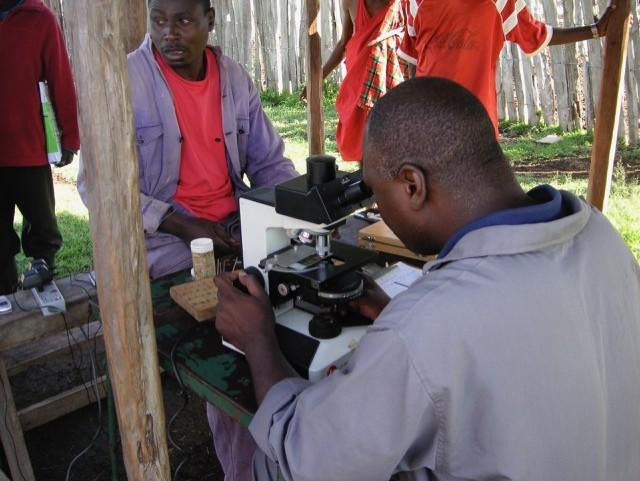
{"points": [[53, 447], [576, 167]]}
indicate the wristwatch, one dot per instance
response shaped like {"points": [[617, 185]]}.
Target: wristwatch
{"points": [[594, 30]]}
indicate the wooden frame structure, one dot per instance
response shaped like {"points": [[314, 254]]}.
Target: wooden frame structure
{"points": [[101, 32]]}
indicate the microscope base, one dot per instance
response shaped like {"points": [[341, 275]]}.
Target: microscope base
{"points": [[314, 358]]}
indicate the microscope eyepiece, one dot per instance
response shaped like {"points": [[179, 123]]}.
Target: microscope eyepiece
{"points": [[354, 193], [320, 169]]}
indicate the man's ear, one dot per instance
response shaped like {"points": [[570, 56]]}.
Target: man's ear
{"points": [[414, 183], [211, 14]]}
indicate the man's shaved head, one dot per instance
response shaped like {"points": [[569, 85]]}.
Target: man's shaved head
{"points": [[439, 126], [431, 157]]}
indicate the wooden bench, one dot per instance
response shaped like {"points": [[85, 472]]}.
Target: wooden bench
{"points": [[27, 338]]}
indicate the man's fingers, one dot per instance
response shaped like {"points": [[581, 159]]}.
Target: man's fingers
{"points": [[252, 284], [224, 282]]}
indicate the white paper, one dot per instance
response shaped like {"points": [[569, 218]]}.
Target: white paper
{"points": [[398, 278]]}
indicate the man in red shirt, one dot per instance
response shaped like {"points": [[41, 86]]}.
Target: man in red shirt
{"points": [[32, 50], [371, 34], [461, 40]]}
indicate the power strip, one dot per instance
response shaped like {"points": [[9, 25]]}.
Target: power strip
{"points": [[49, 299]]}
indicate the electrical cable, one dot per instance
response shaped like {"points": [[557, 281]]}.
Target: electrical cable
{"points": [[185, 399], [88, 337], [185, 396], [98, 430]]}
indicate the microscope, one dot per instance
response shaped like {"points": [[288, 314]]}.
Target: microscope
{"points": [[310, 277]]}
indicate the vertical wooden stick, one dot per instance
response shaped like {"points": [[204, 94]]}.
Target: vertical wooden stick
{"points": [[315, 117], [11, 435], [109, 154], [608, 113], [135, 24]]}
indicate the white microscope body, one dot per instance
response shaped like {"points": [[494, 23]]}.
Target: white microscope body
{"points": [[286, 236]]}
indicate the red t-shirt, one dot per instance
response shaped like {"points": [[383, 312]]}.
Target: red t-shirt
{"points": [[204, 187], [461, 40]]}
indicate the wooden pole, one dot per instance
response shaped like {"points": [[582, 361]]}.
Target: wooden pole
{"points": [[109, 156], [315, 117], [609, 101], [11, 437], [135, 24]]}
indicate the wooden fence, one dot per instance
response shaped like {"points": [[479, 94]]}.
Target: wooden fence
{"points": [[558, 86]]}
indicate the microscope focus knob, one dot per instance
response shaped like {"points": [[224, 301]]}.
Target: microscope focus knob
{"points": [[283, 290]]}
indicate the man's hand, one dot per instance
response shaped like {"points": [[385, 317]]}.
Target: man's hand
{"points": [[372, 301], [188, 228], [66, 159], [247, 321], [244, 319]]}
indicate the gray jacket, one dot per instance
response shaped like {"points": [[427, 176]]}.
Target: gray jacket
{"points": [[515, 357], [253, 148]]}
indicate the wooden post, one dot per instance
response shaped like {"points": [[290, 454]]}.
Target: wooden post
{"points": [[315, 117], [135, 24], [608, 113], [109, 156], [11, 436]]}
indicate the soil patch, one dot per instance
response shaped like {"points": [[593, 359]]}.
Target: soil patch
{"points": [[574, 166], [53, 446]]}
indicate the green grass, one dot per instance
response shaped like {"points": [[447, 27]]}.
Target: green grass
{"points": [[525, 148], [624, 202], [76, 254], [289, 116]]}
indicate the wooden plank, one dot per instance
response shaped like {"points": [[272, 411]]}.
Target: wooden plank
{"points": [[530, 105], [631, 90], [109, 152], [500, 98], [507, 85], [62, 404], [292, 44], [635, 65], [303, 44], [558, 72], [544, 87], [315, 116], [607, 118], [518, 86], [571, 68], [267, 32], [20, 358], [26, 324], [283, 42], [593, 68], [11, 435]]}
